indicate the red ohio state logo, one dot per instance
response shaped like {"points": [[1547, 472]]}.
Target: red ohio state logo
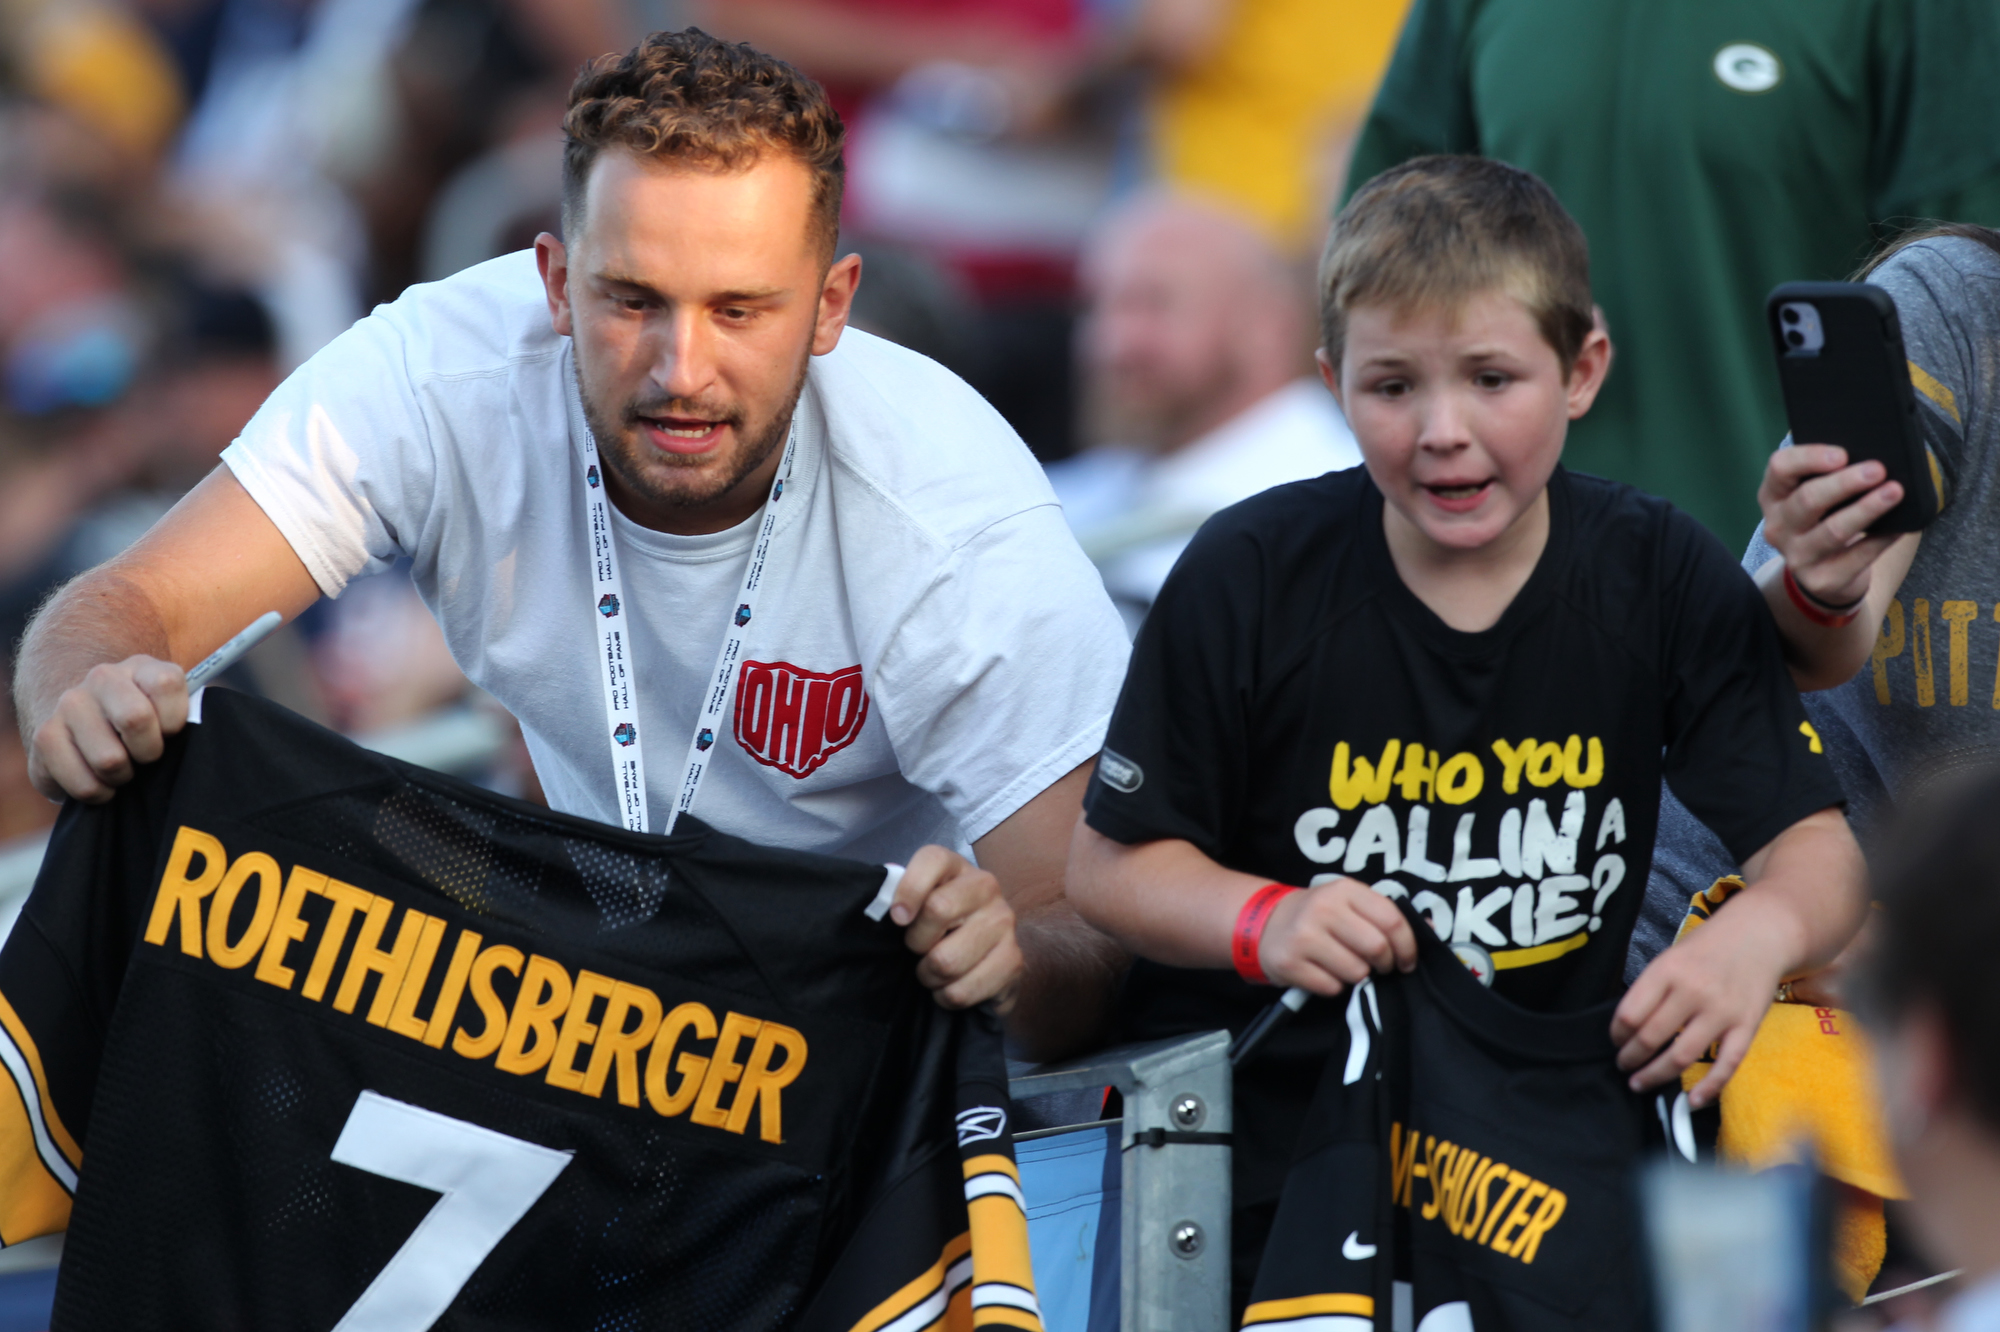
{"points": [[795, 720]]}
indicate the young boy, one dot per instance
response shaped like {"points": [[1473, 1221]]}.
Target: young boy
{"points": [[1455, 676]]}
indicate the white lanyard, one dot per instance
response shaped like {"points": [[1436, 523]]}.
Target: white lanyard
{"points": [[621, 704]]}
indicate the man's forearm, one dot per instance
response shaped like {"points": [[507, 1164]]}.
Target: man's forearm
{"points": [[1068, 985], [97, 617]]}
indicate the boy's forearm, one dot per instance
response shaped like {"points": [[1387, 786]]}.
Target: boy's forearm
{"points": [[1163, 900], [1808, 886]]}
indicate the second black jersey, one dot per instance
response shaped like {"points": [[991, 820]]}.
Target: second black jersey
{"points": [[315, 1038], [1465, 1156]]}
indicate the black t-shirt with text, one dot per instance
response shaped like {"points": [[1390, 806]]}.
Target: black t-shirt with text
{"points": [[1295, 712]]}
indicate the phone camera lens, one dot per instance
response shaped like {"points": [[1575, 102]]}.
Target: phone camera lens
{"points": [[1791, 315], [1796, 338]]}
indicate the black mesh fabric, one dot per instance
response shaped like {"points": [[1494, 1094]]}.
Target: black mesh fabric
{"points": [[209, 1196]]}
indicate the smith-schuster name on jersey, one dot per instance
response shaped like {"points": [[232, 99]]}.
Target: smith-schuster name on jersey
{"points": [[1466, 1155], [353, 1045]]}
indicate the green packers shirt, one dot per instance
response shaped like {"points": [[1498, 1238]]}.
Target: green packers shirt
{"points": [[1295, 712], [1710, 149]]}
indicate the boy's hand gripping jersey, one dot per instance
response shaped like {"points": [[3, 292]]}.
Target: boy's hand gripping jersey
{"points": [[1479, 1156], [348, 1044]]}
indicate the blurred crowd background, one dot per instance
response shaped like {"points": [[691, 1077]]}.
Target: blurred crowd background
{"points": [[195, 195], [1102, 213]]}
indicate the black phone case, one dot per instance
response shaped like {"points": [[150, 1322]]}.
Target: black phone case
{"points": [[1855, 391]]}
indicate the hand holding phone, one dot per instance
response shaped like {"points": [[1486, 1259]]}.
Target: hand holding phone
{"points": [[1818, 509], [1846, 383]]}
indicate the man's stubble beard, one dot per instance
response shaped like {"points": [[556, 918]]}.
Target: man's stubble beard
{"points": [[621, 448]]}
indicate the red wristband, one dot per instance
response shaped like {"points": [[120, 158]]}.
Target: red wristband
{"points": [[1250, 923], [1826, 617]]}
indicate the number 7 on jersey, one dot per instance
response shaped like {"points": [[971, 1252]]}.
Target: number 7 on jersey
{"points": [[489, 1181]]}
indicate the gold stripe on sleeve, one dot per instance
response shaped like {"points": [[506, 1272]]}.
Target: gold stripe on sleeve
{"points": [[917, 1291], [1271, 1311], [1927, 384], [26, 1043]]}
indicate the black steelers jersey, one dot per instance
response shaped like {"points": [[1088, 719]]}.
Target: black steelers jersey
{"points": [[1467, 1160], [301, 1037]]}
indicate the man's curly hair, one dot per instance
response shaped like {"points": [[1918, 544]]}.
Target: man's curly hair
{"points": [[689, 97]]}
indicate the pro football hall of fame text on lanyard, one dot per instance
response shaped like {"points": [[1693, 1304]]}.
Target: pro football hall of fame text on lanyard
{"points": [[614, 654]]}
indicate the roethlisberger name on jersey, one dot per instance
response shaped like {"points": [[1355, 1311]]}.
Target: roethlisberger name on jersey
{"points": [[554, 1016]]}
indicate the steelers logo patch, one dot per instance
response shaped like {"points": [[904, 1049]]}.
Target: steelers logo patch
{"points": [[1748, 67], [1477, 961]]}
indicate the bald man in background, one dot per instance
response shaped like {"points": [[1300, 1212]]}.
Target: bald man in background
{"points": [[1196, 353]]}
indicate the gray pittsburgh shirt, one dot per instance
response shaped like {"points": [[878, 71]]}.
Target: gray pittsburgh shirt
{"points": [[1928, 702]]}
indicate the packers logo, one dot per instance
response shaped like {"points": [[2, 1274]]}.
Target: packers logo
{"points": [[1748, 68]]}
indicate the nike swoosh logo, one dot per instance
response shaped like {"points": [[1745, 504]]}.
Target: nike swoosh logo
{"points": [[1353, 1249]]}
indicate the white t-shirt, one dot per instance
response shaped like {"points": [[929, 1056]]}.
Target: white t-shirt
{"points": [[928, 555], [1135, 511]]}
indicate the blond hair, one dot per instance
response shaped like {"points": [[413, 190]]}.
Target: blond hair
{"points": [[1435, 232]]}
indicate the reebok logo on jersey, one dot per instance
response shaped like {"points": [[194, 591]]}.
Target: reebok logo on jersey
{"points": [[980, 1123], [1480, 1200], [794, 720], [680, 1060]]}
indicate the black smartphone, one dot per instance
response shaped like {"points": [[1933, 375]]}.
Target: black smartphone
{"points": [[1847, 382]]}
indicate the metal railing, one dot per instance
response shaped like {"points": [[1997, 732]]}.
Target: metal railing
{"points": [[1175, 1144]]}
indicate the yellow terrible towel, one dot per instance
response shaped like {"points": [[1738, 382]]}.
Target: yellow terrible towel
{"points": [[1808, 1078]]}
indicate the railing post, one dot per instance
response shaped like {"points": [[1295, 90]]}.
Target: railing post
{"points": [[1175, 1138]]}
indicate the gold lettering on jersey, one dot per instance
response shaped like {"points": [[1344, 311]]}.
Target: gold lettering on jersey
{"points": [[403, 1019], [617, 1045], [531, 1028], [251, 941], [673, 1100], [719, 1072], [722, 1070], [346, 899], [181, 890], [1478, 1199], [463, 954], [370, 959], [492, 1013], [288, 929], [762, 1082], [577, 1029]]}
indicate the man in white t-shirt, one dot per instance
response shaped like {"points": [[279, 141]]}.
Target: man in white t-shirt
{"points": [[918, 655], [1194, 353]]}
